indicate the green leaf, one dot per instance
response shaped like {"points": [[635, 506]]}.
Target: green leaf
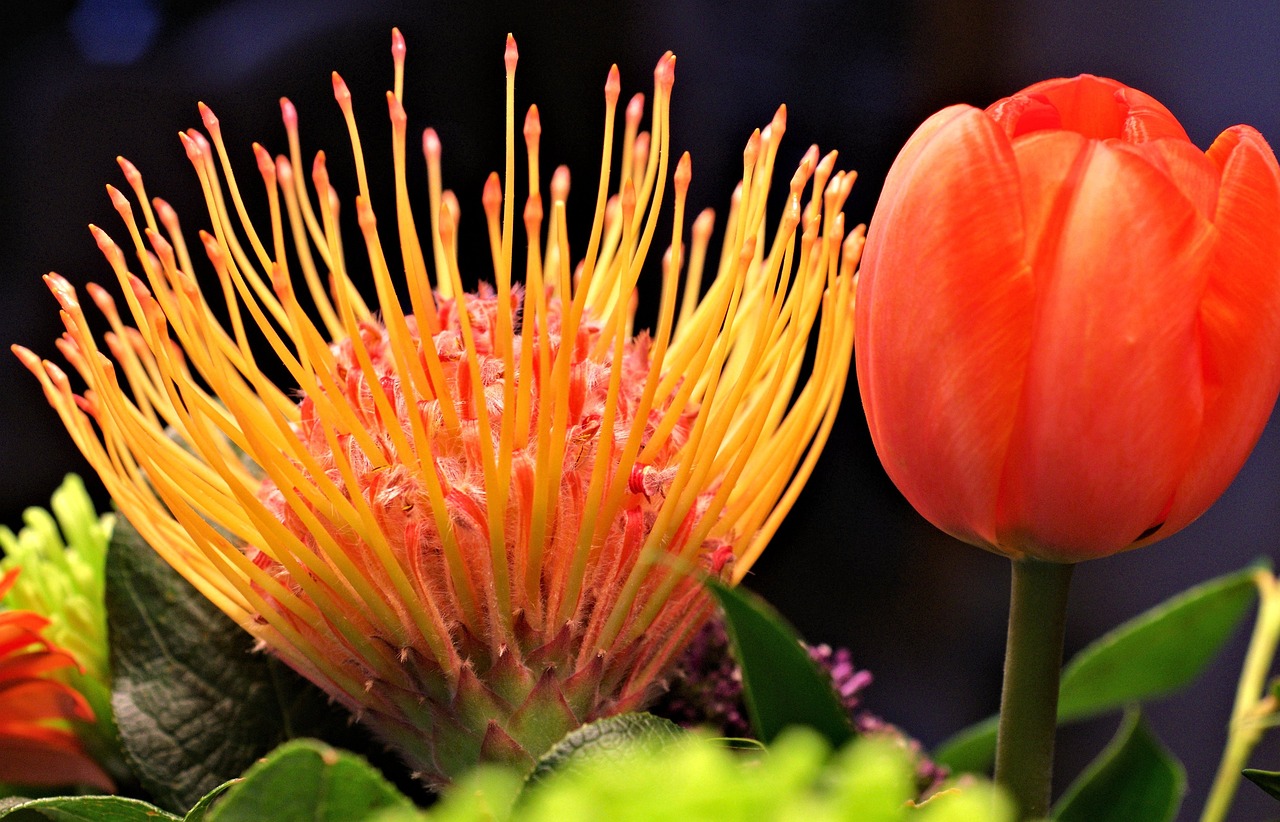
{"points": [[85, 809], [200, 811], [1135, 777], [1154, 653], [308, 781], [1269, 781], [194, 704], [782, 685], [608, 737]]}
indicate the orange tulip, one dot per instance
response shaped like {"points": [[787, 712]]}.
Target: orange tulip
{"points": [[1068, 319]]}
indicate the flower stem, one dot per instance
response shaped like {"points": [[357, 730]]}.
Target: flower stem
{"points": [[1250, 710], [1032, 665]]}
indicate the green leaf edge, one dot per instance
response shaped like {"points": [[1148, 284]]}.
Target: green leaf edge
{"points": [[1133, 730], [807, 685], [973, 748], [1268, 781], [151, 812]]}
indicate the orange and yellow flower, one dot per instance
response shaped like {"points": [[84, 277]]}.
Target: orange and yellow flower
{"points": [[38, 745], [485, 519]]}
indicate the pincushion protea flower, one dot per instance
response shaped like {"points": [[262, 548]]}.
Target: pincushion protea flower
{"points": [[38, 745], [486, 519]]}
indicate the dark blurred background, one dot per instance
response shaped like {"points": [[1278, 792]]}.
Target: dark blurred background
{"points": [[84, 81]]}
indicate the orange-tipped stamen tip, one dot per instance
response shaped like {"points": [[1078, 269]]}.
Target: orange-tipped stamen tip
{"points": [[446, 221], [664, 74], [780, 119], [265, 164], [532, 125], [704, 223], [397, 45], [560, 184], [191, 146], [26, 355], [398, 117], [340, 91], [612, 85], [117, 199], [100, 297], [62, 290], [288, 113], [827, 164], [431, 144], [511, 55], [199, 140], [208, 117], [628, 198], [684, 172], [752, 151], [492, 196], [635, 109], [131, 172]]}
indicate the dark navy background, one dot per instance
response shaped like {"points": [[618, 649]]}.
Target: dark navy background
{"points": [[854, 565]]}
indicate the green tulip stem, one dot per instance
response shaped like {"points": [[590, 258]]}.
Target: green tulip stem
{"points": [[1253, 712], [1032, 667]]}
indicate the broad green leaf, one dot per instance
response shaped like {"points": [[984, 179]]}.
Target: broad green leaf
{"points": [[308, 781], [1156, 652], [781, 684], [1269, 781], [194, 704], [606, 737], [1133, 778], [85, 809], [973, 749]]}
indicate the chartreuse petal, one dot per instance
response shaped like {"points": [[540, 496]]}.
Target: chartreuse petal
{"points": [[1152, 654], [1135, 777]]}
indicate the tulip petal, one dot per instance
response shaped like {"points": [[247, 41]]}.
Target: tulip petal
{"points": [[1239, 320], [1187, 167], [1112, 399], [943, 320], [1095, 107]]}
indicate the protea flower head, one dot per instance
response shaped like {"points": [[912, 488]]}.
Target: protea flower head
{"points": [[482, 518], [38, 712], [62, 553]]}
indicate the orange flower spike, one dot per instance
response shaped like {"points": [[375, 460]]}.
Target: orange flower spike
{"points": [[1069, 319], [483, 521]]}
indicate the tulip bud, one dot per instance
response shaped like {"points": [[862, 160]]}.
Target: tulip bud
{"points": [[1068, 319]]}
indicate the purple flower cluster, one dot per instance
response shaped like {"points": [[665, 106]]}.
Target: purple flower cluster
{"points": [[705, 690]]}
